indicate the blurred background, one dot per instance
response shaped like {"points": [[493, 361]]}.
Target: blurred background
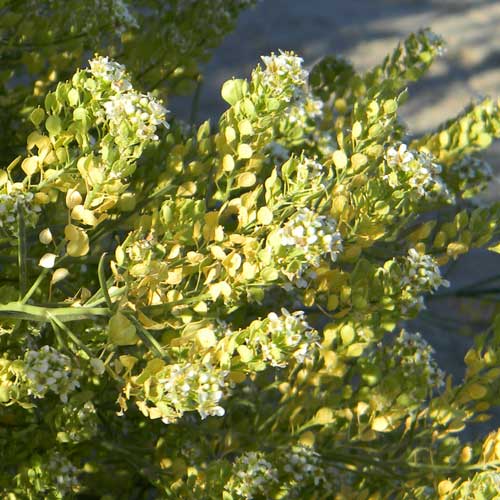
{"points": [[364, 31]]}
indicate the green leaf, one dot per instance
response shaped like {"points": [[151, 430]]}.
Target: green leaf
{"points": [[234, 90], [121, 331], [53, 125]]}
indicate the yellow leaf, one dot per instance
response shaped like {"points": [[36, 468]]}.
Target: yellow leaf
{"points": [[206, 338], [174, 277], [228, 163], [357, 128], [78, 248], [245, 127], [30, 165], [230, 134], [47, 260], [445, 487], [245, 151], [264, 216], [121, 331], [358, 160], [477, 391], [73, 198], [381, 424], [248, 271], [59, 275], [347, 334], [339, 159], [45, 236], [245, 353], [246, 179], [495, 248], [324, 416], [218, 289]]}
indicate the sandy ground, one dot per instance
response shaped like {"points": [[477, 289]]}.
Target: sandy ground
{"points": [[364, 31]]}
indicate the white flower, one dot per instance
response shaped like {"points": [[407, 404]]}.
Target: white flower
{"points": [[282, 72], [49, 370], [315, 235], [198, 387], [399, 157], [110, 71], [252, 476]]}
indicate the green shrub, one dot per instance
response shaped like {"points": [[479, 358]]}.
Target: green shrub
{"points": [[216, 311]]}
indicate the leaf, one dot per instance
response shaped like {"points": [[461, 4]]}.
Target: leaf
{"points": [[37, 116], [59, 274], [339, 159], [121, 331], [381, 424], [245, 152], [234, 90], [53, 125], [324, 416], [47, 260], [30, 165], [264, 216]]}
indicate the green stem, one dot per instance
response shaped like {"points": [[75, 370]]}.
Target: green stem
{"points": [[34, 286], [18, 310], [102, 281], [22, 252], [147, 338]]}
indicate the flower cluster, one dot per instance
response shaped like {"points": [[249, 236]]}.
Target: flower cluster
{"points": [[122, 16], [107, 70], [473, 175], [63, 472], [192, 387], [311, 236], [422, 275], [132, 117], [252, 475], [11, 203], [284, 70], [418, 171], [309, 170], [304, 465], [288, 333], [77, 423], [49, 370], [50, 476], [415, 353]]}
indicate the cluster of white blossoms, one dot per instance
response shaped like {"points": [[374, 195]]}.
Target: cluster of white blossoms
{"points": [[422, 275], [414, 352], [287, 333], [61, 473], [11, 202], [306, 108], [303, 465], [419, 171], [315, 235], [399, 157], [49, 370], [252, 476], [309, 170], [282, 71], [78, 423], [473, 174], [103, 68], [92, 14], [141, 113], [190, 387], [121, 15]]}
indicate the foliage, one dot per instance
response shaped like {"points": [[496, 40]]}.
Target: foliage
{"points": [[217, 311]]}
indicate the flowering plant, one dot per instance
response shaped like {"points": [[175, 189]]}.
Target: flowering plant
{"points": [[217, 311]]}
